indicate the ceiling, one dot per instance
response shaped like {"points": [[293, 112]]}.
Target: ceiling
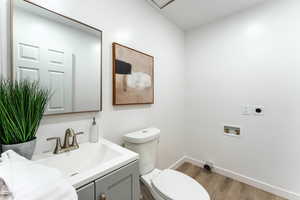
{"points": [[188, 14]]}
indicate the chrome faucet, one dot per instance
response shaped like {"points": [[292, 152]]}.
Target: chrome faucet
{"points": [[70, 133]]}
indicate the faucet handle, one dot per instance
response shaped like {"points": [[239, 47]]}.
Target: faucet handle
{"points": [[75, 142], [57, 148], [79, 133]]}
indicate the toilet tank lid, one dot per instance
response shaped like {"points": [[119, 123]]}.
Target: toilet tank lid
{"points": [[142, 136]]}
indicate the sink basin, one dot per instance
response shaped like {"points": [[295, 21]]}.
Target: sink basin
{"points": [[89, 162], [78, 161]]}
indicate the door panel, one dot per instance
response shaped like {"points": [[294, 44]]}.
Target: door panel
{"points": [[29, 52], [87, 192], [56, 57], [123, 184], [28, 73], [56, 102], [51, 66], [122, 189], [28, 61], [59, 76]]}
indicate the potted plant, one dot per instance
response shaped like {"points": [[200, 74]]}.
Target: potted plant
{"points": [[22, 105]]}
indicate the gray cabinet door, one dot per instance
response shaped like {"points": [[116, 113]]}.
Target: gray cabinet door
{"points": [[86, 192], [122, 184]]}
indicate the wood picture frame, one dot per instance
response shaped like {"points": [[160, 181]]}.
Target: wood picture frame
{"points": [[133, 76]]}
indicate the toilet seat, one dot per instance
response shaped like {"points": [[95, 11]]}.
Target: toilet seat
{"points": [[173, 185]]}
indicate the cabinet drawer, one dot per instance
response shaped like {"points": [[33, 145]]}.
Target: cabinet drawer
{"points": [[122, 184], [86, 192]]}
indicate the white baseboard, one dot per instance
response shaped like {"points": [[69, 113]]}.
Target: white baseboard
{"points": [[178, 163], [239, 177]]}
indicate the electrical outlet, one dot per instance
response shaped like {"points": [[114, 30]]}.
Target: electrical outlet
{"points": [[247, 109]]}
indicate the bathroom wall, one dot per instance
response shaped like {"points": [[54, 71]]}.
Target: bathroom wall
{"points": [[249, 58], [136, 24]]}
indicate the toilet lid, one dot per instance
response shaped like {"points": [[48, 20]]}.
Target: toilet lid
{"points": [[174, 185]]}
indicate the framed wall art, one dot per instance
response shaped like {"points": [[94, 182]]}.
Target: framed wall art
{"points": [[133, 76]]}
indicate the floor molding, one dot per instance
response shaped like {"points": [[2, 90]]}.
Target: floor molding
{"points": [[239, 177], [178, 163]]}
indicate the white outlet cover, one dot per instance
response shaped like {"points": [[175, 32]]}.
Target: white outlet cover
{"points": [[247, 110]]}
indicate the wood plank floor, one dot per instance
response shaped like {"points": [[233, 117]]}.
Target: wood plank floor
{"points": [[218, 186]]}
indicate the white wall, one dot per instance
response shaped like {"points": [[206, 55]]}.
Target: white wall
{"points": [[136, 24], [248, 58]]}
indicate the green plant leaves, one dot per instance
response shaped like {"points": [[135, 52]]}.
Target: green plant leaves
{"points": [[22, 105]]}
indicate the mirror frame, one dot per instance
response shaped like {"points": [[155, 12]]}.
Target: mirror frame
{"points": [[12, 71]]}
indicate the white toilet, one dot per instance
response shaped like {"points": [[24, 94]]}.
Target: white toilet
{"points": [[167, 184]]}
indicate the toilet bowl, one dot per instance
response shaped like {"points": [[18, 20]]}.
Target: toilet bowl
{"points": [[172, 185], [167, 184]]}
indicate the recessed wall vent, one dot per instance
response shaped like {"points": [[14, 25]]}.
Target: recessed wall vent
{"points": [[162, 3]]}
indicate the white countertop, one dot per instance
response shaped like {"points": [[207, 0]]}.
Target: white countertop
{"points": [[91, 161]]}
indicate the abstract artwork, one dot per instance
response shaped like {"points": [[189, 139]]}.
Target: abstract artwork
{"points": [[132, 76]]}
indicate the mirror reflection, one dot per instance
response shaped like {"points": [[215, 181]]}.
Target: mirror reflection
{"points": [[62, 54]]}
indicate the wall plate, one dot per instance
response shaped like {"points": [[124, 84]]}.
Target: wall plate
{"points": [[232, 130], [247, 109]]}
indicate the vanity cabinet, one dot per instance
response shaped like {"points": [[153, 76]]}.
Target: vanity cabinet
{"points": [[87, 192], [121, 184]]}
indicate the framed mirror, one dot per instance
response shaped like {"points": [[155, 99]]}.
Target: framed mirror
{"points": [[63, 54]]}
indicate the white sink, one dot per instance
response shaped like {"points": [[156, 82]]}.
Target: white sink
{"points": [[89, 162]]}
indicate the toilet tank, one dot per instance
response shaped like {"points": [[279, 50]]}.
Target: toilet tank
{"points": [[145, 143]]}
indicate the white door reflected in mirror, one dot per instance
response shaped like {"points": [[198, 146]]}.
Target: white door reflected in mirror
{"points": [[59, 53]]}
